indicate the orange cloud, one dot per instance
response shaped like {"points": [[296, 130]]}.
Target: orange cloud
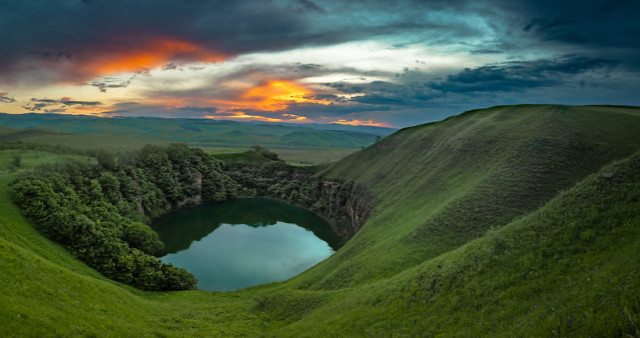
{"points": [[363, 123], [273, 96], [243, 116], [113, 57]]}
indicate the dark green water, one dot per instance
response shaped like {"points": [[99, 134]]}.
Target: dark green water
{"points": [[245, 242]]}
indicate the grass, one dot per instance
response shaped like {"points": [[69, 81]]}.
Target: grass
{"points": [[300, 155], [467, 174], [312, 156], [514, 221], [30, 159], [109, 142], [46, 291], [297, 157]]}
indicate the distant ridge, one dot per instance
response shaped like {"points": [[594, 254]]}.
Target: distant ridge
{"points": [[204, 132]]}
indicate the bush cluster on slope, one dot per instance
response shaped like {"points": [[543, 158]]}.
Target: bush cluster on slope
{"points": [[96, 210]]}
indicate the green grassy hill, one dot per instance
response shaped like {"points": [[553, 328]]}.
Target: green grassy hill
{"points": [[315, 137], [12, 134], [446, 183], [514, 221]]}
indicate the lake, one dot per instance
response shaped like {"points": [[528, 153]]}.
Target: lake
{"points": [[244, 242]]}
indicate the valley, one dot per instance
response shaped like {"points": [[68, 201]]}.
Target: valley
{"points": [[511, 220]]}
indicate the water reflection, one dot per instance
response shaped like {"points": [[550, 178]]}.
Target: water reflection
{"points": [[244, 242]]}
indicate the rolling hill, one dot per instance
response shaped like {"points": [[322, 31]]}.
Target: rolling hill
{"points": [[203, 132], [513, 220]]}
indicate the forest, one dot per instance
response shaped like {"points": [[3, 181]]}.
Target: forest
{"points": [[101, 211]]}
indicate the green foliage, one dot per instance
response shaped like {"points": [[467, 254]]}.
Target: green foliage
{"points": [[106, 159], [443, 184], [17, 161], [143, 238], [265, 152], [510, 221], [95, 210], [346, 206]]}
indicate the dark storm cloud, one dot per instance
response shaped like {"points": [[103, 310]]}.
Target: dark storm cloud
{"points": [[411, 91], [58, 30], [75, 31], [72, 31], [522, 75], [311, 6], [593, 23], [414, 89]]}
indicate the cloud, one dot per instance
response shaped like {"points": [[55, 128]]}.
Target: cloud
{"points": [[332, 58], [81, 103], [4, 98], [110, 82], [58, 106], [310, 6], [599, 23], [522, 75], [81, 41], [67, 101]]}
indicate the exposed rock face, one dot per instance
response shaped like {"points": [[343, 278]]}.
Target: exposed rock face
{"points": [[348, 206], [359, 207]]}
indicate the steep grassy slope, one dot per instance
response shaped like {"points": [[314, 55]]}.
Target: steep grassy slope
{"points": [[505, 221], [568, 269], [443, 184]]}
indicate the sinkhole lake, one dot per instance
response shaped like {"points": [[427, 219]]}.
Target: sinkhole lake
{"points": [[245, 242]]}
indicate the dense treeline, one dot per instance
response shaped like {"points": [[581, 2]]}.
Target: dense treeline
{"points": [[98, 211]]}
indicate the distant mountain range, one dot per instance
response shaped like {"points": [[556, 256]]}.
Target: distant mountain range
{"points": [[201, 132]]}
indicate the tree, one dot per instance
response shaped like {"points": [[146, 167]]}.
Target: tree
{"points": [[17, 161], [265, 152], [143, 238], [106, 159]]}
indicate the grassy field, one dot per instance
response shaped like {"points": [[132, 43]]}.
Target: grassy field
{"points": [[294, 156], [509, 221], [301, 155], [29, 159], [312, 156], [109, 142]]}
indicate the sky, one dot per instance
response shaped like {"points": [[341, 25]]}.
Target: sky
{"points": [[380, 63]]}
